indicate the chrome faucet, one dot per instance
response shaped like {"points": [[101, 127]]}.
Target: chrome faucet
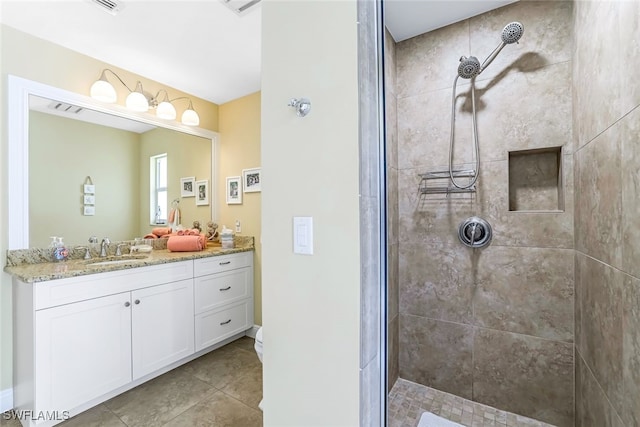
{"points": [[103, 246]]}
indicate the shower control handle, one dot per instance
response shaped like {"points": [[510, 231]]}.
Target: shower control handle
{"points": [[475, 232]]}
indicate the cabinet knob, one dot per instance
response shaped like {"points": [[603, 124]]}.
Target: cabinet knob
{"points": [[137, 301], [127, 304], [225, 289], [225, 323], [225, 263]]}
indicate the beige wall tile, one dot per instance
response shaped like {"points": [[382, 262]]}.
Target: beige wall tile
{"points": [[393, 280], [427, 356], [596, 73], [629, 28], [602, 333], [430, 61], [393, 363], [546, 39], [630, 186], [592, 406], [526, 290], [424, 129], [525, 110], [436, 282], [598, 199], [531, 229], [525, 375], [631, 352]]}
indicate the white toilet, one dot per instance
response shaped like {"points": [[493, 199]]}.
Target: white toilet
{"points": [[258, 347]]}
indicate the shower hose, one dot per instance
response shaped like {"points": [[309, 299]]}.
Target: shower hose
{"points": [[475, 135]]}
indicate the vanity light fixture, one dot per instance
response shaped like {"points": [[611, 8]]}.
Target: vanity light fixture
{"points": [[139, 101]]}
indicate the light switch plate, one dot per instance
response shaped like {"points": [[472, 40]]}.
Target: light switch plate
{"points": [[303, 235]]}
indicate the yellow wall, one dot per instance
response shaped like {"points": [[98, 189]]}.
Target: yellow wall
{"points": [[240, 149], [311, 303], [35, 59], [187, 155], [62, 153]]}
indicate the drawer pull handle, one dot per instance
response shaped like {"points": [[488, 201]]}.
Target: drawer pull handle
{"points": [[225, 263], [127, 304], [225, 323], [137, 301], [225, 289]]}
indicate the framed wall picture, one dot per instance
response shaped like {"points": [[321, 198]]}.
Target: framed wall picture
{"points": [[233, 190], [252, 180], [202, 192], [187, 186]]}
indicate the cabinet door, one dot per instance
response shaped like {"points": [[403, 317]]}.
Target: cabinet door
{"points": [[162, 326], [82, 351]]}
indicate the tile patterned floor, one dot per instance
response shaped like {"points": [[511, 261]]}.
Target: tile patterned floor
{"points": [[221, 388], [408, 400]]}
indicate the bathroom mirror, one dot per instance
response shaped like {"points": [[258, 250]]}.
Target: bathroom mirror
{"points": [[53, 150]]}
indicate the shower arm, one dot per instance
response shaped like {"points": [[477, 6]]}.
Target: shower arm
{"points": [[491, 57]]}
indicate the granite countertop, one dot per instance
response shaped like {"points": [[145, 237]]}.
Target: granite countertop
{"points": [[23, 267]]}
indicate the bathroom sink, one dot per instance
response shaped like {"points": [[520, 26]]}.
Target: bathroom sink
{"points": [[116, 260]]}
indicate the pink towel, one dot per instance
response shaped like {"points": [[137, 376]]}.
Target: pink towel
{"points": [[161, 231], [150, 236], [189, 232], [186, 243]]}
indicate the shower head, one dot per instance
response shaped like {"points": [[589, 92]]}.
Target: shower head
{"points": [[512, 32], [469, 67]]}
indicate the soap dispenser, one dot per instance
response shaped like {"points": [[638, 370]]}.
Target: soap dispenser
{"points": [[59, 252]]}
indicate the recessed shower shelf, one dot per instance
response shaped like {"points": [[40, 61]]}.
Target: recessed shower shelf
{"points": [[439, 182]]}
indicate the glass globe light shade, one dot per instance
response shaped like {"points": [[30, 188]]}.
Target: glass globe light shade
{"points": [[103, 91], [136, 101], [166, 110], [190, 118]]}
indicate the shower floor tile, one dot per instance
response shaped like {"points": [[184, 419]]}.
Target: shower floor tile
{"points": [[408, 400]]}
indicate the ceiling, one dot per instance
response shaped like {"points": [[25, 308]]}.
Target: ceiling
{"points": [[199, 47]]}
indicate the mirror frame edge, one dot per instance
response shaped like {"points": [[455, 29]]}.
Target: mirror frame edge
{"points": [[18, 92]]}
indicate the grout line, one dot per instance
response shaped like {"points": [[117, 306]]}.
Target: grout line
{"points": [[606, 397], [572, 343]]}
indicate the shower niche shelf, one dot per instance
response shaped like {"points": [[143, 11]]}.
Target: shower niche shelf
{"points": [[535, 180], [439, 182]]}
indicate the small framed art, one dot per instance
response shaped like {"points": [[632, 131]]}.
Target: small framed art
{"points": [[233, 190], [202, 192], [252, 180], [187, 186]]}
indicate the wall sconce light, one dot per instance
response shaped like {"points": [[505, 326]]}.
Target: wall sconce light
{"points": [[139, 101]]}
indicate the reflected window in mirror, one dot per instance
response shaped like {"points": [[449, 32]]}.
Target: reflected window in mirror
{"points": [[158, 197]]}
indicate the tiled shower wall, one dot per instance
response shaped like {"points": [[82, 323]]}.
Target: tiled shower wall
{"points": [[606, 94], [391, 130], [494, 325]]}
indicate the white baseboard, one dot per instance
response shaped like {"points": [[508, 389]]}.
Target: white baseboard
{"points": [[253, 331], [6, 399]]}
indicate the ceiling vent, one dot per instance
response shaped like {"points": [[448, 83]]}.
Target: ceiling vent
{"points": [[63, 107], [241, 7], [110, 6]]}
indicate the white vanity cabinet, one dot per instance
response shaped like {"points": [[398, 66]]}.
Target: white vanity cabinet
{"points": [[81, 340], [223, 289], [82, 351], [161, 326]]}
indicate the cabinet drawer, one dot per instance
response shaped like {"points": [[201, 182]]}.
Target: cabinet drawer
{"points": [[218, 264], [215, 290], [216, 325]]}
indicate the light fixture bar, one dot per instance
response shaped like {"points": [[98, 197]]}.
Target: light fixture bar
{"points": [[139, 101]]}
